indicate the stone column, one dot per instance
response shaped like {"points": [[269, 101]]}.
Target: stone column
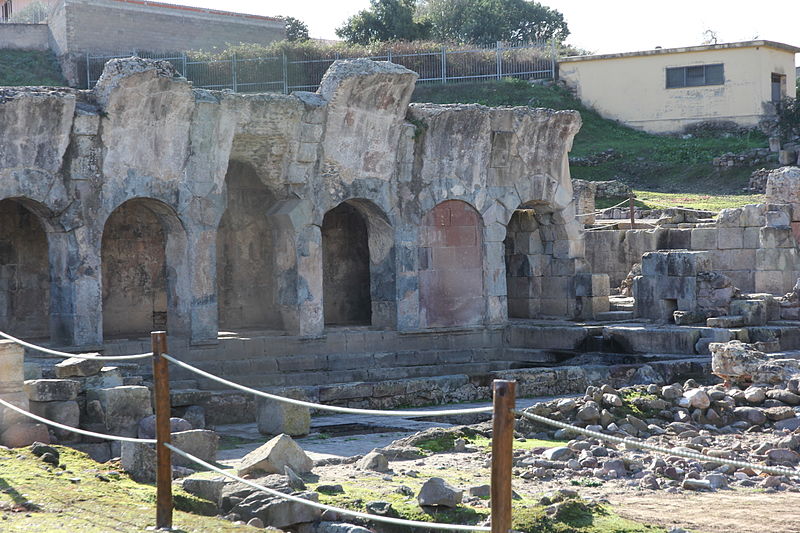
{"points": [[204, 316], [16, 430]]}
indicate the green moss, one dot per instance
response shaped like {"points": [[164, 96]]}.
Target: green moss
{"points": [[88, 497], [527, 444]]}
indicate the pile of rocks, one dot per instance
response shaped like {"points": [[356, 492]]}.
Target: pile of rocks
{"points": [[719, 422], [595, 159], [748, 158]]}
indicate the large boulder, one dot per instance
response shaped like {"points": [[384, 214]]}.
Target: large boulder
{"points": [[78, 367], [273, 456], [737, 362], [436, 492], [139, 459]]}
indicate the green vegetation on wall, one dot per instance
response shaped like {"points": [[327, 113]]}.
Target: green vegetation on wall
{"points": [[647, 162], [25, 67]]}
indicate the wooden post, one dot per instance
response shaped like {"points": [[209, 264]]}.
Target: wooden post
{"points": [[631, 211], [502, 453], [163, 454]]}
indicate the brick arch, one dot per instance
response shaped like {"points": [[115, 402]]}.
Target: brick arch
{"points": [[451, 287]]}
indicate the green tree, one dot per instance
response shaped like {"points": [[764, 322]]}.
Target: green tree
{"points": [[296, 29], [385, 20], [489, 21]]}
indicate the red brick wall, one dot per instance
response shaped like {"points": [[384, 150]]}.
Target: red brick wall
{"points": [[451, 261]]}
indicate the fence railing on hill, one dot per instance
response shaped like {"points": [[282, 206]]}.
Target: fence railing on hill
{"points": [[284, 74]]}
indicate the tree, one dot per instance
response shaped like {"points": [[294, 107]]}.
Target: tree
{"points": [[296, 29], [489, 21], [385, 20]]}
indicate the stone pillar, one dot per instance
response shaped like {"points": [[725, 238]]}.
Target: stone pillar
{"points": [[76, 310], [16, 430], [204, 316], [311, 320]]}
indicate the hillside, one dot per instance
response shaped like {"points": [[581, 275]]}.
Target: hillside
{"points": [[648, 163], [24, 67]]}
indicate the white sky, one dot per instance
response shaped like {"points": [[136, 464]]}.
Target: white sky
{"points": [[605, 26]]}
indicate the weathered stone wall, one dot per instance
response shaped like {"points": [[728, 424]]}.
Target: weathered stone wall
{"points": [[240, 187], [754, 245]]}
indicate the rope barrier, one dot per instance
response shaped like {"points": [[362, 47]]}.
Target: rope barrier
{"points": [[75, 430], [777, 470], [322, 506], [72, 355], [321, 407]]}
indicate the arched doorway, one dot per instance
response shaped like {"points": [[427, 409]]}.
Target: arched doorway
{"points": [[143, 245], [451, 266], [246, 271], [345, 267], [24, 272]]}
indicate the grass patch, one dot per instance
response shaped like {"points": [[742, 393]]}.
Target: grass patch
{"points": [[648, 163], [705, 202], [27, 67], [573, 516], [88, 497]]}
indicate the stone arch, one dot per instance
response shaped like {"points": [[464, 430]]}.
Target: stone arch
{"points": [[144, 270], [247, 280], [542, 256], [25, 278], [358, 265], [451, 285]]}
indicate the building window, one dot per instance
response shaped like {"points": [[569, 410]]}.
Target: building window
{"points": [[778, 87], [6, 15], [695, 76]]}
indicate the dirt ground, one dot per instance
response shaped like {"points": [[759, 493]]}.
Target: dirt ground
{"points": [[736, 510]]}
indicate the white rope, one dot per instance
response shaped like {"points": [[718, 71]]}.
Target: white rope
{"points": [[777, 470], [336, 409], [322, 506], [72, 355], [75, 430]]}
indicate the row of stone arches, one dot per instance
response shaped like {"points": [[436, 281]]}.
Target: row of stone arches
{"points": [[144, 248]]}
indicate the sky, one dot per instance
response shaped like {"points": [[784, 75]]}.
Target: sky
{"points": [[598, 26]]}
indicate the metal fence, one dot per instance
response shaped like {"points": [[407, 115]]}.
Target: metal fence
{"points": [[285, 74]]}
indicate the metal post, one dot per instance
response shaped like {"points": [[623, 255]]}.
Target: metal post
{"points": [[163, 454], [285, 72], [389, 55], [444, 64], [502, 452], [183, 57], [233, 71], [631, 210], [553, 57], [88, 73], [499, 55]]}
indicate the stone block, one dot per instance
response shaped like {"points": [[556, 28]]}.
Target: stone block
{"points": [[51, 390], [753, 215], [787, 157], [730, 321], [731, 238], [32, 370], [75, 367], [704, 239], [592, 285], [274, 456], [751, 237], [779, 218], [753, 312], [777, 237], [186, 397], [24, 434], [771, 281], [784, 259], [685, 263], [274, 417], [730, 218], [654, 264], [63, 412], [108, 377], [119, 409]]}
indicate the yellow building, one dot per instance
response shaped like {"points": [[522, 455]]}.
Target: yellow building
{"points": [[664, 90]]}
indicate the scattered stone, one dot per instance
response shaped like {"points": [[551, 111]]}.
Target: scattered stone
{"points": [[436, 492], [697, 484], [698, 399], [273, 456], [375, 461], [295, 481], [74, 367]]}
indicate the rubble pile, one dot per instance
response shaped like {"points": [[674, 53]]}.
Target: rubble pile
{"points": [[758, 424]]}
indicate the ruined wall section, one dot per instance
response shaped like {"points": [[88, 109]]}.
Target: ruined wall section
{"points": [[144, 134], [517, 158]]}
